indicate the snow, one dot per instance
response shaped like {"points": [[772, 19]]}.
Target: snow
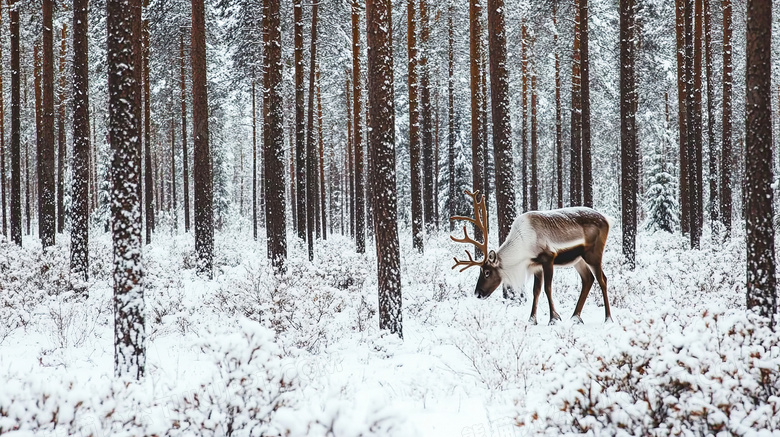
{"points": [[302, 354]]}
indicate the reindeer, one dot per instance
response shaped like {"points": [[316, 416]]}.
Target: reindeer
{"points": [[538, 242]]}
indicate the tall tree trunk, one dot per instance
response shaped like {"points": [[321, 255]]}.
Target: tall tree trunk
{"points": [[524, 141], [129, 333], [558, 114], [322, 187], [761, 282], [60, 133], [575, 175], [185, 162], [628, 135], [534, 143], [414, 129], [311, 147], [16, 174], [351, 156], [426, 118], [300, 131], [47, 226], [587, 166], [382, 149], [273, 157], [254, 161], [502, 125], [148, 182], [80, 173], [3, 181], [477, 147], [360, 214], [204, 215], [451, 133], [137, 24], [713, 155], [726, 160], [693, 114], [682, 98]]}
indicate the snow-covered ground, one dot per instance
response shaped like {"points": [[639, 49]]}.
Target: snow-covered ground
{"points": [[247, 354]]}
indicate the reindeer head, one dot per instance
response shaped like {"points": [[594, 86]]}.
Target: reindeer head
{"points": [[489, 277]]}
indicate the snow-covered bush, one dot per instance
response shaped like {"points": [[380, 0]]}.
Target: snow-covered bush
{"points": [[687, 374]]}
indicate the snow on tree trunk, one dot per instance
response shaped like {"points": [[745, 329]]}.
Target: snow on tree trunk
{"points": [[80, 173], [628, 135]]}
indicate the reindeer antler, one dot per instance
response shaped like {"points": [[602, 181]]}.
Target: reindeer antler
{"points": [[480, 222]]}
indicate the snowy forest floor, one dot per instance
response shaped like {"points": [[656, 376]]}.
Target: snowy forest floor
{"points": [[248, 354]]}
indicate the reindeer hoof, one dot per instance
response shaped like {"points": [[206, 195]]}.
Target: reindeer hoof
{"points": [[609, 320], [532, 320], [577, 319], [555, 319]]}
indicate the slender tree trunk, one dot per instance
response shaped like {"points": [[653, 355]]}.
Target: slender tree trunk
{"points": [[426, 119], [322, 187], [148, 182], [534, 144], [311, 157], [273, 160], [204, 216], [3, 180], [79, 234], [558, 114], [350, 156], [502, 125], [129, 333], [47, 226], [575, 181], [185, 162], [137, 24], [300, 131], [761, 282], [681, 115], [360, 217], [451, 133], [486, 169], [382, 147], [254, 162], [60, 133], [714, 209], [587, 166], [693, 113], [414, 129], [726, 159], [524, 141], [477, 147], [628, 136]]}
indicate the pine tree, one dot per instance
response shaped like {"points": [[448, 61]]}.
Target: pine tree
{"points": [[79, 243], [661, 196]]}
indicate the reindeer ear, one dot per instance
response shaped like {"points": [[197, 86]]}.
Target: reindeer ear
{"points": [[492, 257]]}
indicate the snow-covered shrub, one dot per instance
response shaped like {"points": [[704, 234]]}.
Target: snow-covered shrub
{"points": [[661, 197], [692, 374]]}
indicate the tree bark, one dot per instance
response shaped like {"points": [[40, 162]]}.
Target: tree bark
{"points": [[682, 98], [628, 136], [3, 180], [360, 214], [129, 333], [426, 117], [254, 162], [351, 156], [273, 157], [47, 226], [311, 147], [477, 146], [185, 162], [534, 144], [300, 131], [80, 173], [558, 114], [524, 141], [16, 178], [693, 113], [323, 189], [414, 129], [726, 159], [714, 209], [502, 125], [451, 133], [587, 166], [761, 282], [382, 149], [148, 181], [575, 182], [204, 216], [60, 132]]}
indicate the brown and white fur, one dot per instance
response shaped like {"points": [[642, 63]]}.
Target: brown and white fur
{"points": [[538, 242]]}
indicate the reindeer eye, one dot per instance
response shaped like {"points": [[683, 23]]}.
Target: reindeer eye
{"points": [[487, 273]]}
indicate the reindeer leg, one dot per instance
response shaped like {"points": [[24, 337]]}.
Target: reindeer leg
{"points": [[587, 283], [547, 269], [537, 292], [599, 273]]}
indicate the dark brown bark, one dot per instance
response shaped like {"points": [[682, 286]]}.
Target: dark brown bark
{"points": [[61, 134], [558, 115], [47, 221], [16, 174], [628, 135], [323, 189], [360, 218], [477, 146], [148, 182], [761, 282], [524, 124], [693, 111], [414, 129], [300, 132], [273, 156], [254, 163], [714, 208], [587, 166], [80, 173], [382, 149], [502, 126], [534, 145], [681, 115], [726, 159], [129, 334], [350, 156], [185, 162], [575, 160], [451, 133], [426, 119], [3, 181], [311, 147], [204, 216], [486, 152], [137, 24]]}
